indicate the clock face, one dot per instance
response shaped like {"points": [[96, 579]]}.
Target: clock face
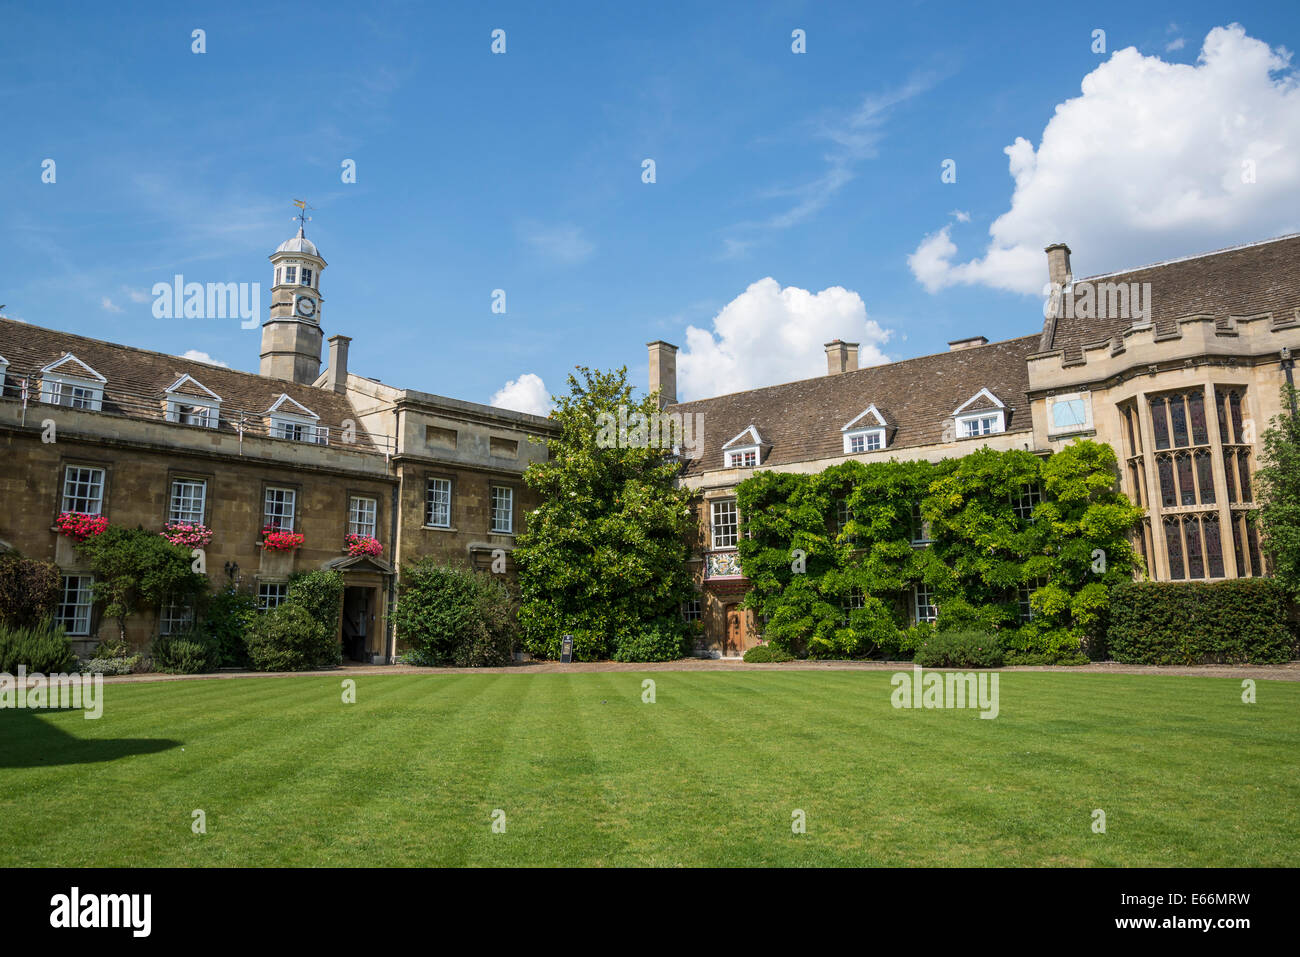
{"points": [[305, 307]]}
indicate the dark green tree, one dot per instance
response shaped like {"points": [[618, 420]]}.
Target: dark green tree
{"points": [[1278, 485], [136, 569], [603, 557]]}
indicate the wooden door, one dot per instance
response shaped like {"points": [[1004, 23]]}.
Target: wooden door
{"points": [[735, 644]]}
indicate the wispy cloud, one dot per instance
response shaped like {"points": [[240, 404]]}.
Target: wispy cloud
{"points": [[561, 243], [855, 137], [108, 305]]}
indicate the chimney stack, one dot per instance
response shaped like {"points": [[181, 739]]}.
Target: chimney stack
{"points": [[663, 371], [970, 342], [1058, 264], [336, 376], [841, 357]]}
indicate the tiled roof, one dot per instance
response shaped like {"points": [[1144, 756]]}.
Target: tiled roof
{"points": [[1241, 281], [138, 379], [801, 421]]}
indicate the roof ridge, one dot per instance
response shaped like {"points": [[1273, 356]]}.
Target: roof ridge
{"points": [[1183, 259], [154, 352], [879, 365]]}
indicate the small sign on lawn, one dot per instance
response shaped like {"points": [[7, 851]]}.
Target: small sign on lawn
{"points": [[566, 649]]}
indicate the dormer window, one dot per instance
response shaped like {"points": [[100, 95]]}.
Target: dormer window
{"points": [[982, 414], [745, 451], [72, 383], [294, 421], [291, 274], [190, 402], [4, 368], [866, 433]]}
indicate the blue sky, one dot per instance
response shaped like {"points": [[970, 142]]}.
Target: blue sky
{"points": [[820, 172]]}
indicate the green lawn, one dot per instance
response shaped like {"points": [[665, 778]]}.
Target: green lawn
{"points": [[708, 775]]}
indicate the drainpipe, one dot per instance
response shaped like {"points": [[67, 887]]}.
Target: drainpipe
{"points": [[1287, 365]]}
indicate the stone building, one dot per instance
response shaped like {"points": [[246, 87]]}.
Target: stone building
{"points": [[1178, 366], [143, 438]]}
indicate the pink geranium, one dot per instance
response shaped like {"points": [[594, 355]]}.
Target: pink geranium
{"points": [[79, 526], [280, 540], [188, 534], [363, 545]]}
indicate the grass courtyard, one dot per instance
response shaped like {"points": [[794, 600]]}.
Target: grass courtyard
{"points": [[709, 774]]}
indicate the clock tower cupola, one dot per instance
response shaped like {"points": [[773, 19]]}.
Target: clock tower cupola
{"points": [[291, 337]]}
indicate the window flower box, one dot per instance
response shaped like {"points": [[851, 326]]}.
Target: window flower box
{"points": [[188, 534], [362, 545], [280, 540], [78, 526]]}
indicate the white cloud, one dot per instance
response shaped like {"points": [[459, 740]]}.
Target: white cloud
{"points": [[1174, 45], [108, 305], [960, 215], [563, 244], [196, 356], [768, 335], [136, 295], [1145, 165], [528, 393]]}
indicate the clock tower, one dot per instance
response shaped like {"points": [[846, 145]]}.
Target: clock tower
{"points": [[291, 337]]}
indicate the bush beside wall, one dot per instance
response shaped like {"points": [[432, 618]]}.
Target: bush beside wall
{"points": [[42, 647], [1185, 623]]}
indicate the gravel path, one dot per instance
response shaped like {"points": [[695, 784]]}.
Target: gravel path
{"points": [[1286, 672]]}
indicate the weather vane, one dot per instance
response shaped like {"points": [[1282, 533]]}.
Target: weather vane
{"points": [[302, 217]]}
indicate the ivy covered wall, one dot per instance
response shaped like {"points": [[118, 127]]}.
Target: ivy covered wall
{"points": [[1009, 541]]}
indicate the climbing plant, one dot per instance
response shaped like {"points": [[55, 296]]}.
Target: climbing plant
{"points": [[1007, 542]]}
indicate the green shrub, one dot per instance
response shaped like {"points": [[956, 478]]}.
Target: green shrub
{"points": [[321, 593], [766, 653], [1182, 623], [121, 665], [416, 658], [664, 639], [960, 649], [29, 590], [227, 617], [41, 647], [188, 653], [454, 616], [290, 638]]}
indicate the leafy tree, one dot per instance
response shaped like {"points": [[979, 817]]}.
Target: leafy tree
{"points": [[604, 554], [1278, 485], [454, 615], [135, 569]]}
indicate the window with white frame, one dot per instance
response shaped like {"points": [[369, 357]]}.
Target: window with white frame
{"points": [[279, 274], [854, 600], [271, 595], [503, 509], [1025, 500], [1024, 596], [362, 516], [70, 382], [923, 607], [189, 496], [866, 440], [75, 604], [919, 526], [692, 610], [437, 503], [175, 618], [278, 507], [742, 459], [291, 274], [744, 451], [725, 523], [985, 423], [83, 490], [297, 429], [306, 277]]}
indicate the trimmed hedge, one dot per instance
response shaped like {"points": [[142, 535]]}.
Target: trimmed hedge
{"points": [[960, 649], [1184, 623], [767, 653]]}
